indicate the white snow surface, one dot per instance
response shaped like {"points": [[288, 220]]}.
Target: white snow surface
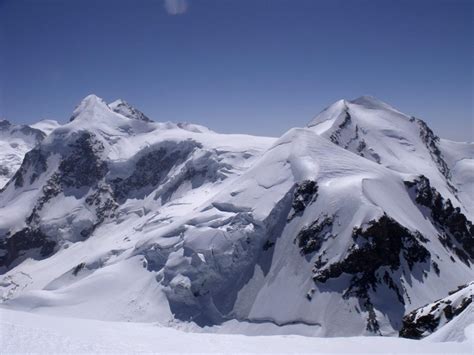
{"points": [[193, 245], [46, 126], [22, 332]]}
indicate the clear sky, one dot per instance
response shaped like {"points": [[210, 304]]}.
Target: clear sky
{"points": [[254, 66]]}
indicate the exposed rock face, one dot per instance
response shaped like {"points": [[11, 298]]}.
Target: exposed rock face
{"points": [[456, 232], [335, 136], [50, 190], [25, 243], [427, 319], [305, 194], [34, 164], [431, 142], [378, 251], [83, 165], [103, 202], [312, 237], [124, 108], [350, 136], [152, 168]]}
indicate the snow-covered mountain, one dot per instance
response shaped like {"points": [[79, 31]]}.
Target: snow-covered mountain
{"points": [[46, 126], [339, 228], [15, 142]]}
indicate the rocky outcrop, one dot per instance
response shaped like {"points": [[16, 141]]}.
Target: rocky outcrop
{"points": [[431, 142], [427, 319], [456, 232], [124, 108], [83, 165], [335, 136], [311, 238], [25, 243], [305, 193], [378, 251], [152, 168]]}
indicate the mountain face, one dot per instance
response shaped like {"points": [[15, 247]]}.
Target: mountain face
{"points": [[15, 142], [340, 228]]}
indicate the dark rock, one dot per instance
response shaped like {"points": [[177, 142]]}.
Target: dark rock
{"points": [[381, 244], [124, 108], [305, 194], [336, 134], [456, 232], [152, 168], [83, 165], [268, 244], [427, 319], [414, 329], [311, 238], [27, 239], [431, 142], [78, 268], [34, 162], [384, 244]]}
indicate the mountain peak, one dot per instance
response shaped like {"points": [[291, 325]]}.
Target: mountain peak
{"points": [[123, 108], [330, 113], [92, 99], [341, 107], [88, 104]]}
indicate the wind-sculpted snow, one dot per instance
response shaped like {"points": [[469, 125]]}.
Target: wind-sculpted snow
{"points": [[326, 229]]}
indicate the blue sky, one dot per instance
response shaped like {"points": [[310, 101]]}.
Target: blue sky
{"points": [[254, 66]]}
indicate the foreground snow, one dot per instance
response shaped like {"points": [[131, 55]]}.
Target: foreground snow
{"points": [[26, 332]]}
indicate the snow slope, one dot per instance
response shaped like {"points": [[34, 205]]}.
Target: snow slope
{"points": [[22, 332], [174, 223]]}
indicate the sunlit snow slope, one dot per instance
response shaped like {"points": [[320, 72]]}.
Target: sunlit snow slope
{"points": [[23, 332]]}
